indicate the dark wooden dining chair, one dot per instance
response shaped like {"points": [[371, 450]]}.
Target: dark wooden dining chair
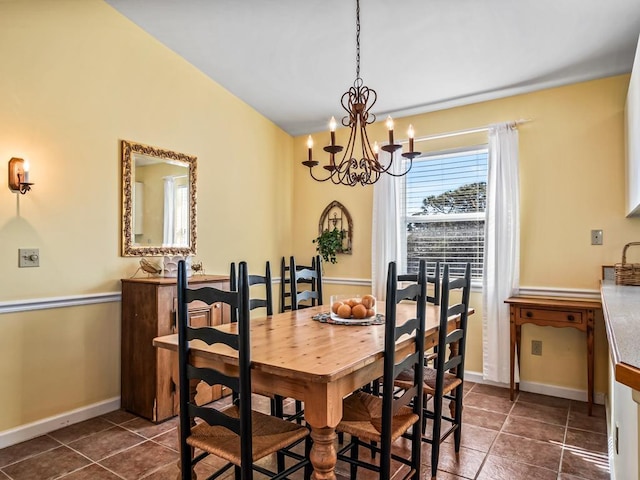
{"points": [[433, 283], [285, 286], [372, 420], [306, 284], [305, 276], [285, 282], [265, 301], [445, 380], [235, 433]]}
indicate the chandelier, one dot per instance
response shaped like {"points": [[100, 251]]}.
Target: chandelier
{"points": [[366, 170]]}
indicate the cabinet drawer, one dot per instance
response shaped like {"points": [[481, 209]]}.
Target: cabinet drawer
{"points": [[559, 317]]}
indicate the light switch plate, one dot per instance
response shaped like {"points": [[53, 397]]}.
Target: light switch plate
{"points": [[28, 257]]}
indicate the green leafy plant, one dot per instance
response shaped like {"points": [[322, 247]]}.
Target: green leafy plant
{"points": [[329, 243]]}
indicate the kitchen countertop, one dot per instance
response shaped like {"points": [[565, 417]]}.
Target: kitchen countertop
{"points": [[621, 308]]}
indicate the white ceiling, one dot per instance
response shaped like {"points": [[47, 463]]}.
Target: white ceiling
{"points": [[293, 59]]}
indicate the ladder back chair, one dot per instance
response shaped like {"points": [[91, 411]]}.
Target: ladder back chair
{"points": [[285, 282], [234, 433], [445, 380], [308, 275], [277, 402], [433, 283], [254, 302], [305, 276], [372, 420]]}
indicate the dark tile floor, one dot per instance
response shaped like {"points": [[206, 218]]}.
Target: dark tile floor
{"points": [[535, 437]]}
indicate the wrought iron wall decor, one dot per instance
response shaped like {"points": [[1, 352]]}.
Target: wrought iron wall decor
{"points": [[335, 215]]}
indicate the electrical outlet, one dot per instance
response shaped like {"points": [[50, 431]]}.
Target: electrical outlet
{"points": [[596, 237], [536, 347]]}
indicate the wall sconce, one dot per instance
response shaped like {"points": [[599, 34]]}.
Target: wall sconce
{"points": [[19, 176]]}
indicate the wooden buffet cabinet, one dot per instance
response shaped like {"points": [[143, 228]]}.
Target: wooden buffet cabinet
{"points": [[149, 375]]}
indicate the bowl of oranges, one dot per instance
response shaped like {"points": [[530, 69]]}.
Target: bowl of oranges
{"points": [[352, 307]]}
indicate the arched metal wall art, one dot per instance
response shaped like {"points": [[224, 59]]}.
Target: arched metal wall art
{"points": [[335, 215]]}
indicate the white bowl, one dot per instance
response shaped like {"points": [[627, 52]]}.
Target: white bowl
{"points": [[352, 301]]}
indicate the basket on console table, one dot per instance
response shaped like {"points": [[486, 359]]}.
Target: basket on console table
{"points": [[627, 273]]}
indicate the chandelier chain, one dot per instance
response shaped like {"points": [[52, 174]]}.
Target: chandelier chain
{"points": [[357, 39]]}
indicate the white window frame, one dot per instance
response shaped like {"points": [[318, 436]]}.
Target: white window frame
{"points": [[439, 218]]}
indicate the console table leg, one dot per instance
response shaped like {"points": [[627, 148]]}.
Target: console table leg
{"points": [[512, 353], [590, 359], [518, 349]]}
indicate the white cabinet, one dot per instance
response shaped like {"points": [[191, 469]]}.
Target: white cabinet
{"points": [[623, 430], [632, 134]]}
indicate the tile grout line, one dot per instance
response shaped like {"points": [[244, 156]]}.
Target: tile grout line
{"points": [[564, 438], [486, 456]]}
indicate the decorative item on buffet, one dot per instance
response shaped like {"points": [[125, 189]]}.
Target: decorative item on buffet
{"points": [[171, 265], [148, 266], [353, 307], [197, 268]]}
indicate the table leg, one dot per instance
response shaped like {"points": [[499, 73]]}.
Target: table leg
{"points": [[323, 453], [518, 349], [590, 359], [322, 412], [512, 353]]}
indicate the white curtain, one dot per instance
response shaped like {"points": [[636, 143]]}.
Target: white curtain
{"points": [[502, 250], [168, 236], [386, 224]]}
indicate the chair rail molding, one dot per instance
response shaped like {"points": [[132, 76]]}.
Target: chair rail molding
{"points": [[46, 303], [32, 304]]}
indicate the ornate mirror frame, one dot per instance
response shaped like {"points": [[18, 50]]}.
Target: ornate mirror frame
{"points": [[129, 248]]}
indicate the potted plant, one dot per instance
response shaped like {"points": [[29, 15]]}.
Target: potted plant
{"points": [[329, 243]]}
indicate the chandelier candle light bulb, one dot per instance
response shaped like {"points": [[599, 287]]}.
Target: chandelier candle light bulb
{"points": [[390, 127], [310, 147], [332, 129], [376, 149], [410, 134]]}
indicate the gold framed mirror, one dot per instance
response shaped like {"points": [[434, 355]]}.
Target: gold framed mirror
{"points": [[158, 201]]}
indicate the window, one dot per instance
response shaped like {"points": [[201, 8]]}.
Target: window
{"points": [[444, 210]]}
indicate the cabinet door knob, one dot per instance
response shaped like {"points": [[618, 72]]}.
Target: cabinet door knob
{"points": [[571, 318], [529, 314]]}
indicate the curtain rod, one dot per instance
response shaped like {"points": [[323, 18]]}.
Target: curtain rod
{"points": [[468, 131]]}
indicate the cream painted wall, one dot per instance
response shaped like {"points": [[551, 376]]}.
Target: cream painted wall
{"points": [[53, 361], [571, 180], [77, 77]]}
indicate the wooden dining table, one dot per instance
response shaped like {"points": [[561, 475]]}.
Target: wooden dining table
{"points": [[295, 356]]}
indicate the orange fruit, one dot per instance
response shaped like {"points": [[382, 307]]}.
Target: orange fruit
{"points": [[359, 311], [369, 301], [344, 311], [371, 312], [335, 307]]}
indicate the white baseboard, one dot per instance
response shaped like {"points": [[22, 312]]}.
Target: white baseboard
{"points": [[50, 424], [541, 388]]}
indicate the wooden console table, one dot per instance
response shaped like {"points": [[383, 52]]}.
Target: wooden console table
{"points": [[552, 312]]}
